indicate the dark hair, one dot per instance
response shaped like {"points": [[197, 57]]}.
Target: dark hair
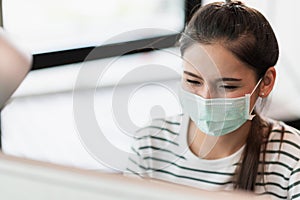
{"points": [[248, 35], [242, 30]]}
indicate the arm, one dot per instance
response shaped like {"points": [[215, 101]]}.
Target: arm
{"points": [[136, 165], [14, 65]]}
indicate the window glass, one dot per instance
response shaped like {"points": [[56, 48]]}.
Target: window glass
{"points": [[45, 26]]}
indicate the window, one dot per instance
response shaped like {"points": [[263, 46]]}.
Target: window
{"points": [[48, 26]]}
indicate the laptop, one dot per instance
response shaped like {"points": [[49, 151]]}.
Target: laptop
{"points": [[28, 179]]}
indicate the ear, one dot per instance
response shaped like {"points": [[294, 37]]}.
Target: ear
{"points": [[267, 83]]}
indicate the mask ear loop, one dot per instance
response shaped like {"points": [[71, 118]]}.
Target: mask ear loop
{"points": [[250, 117]]}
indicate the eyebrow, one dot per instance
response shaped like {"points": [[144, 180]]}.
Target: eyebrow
{"points": [[228, 79], [218, 80], [193, 75]]}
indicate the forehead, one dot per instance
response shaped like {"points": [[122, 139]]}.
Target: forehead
{"points": [[214, 61]]}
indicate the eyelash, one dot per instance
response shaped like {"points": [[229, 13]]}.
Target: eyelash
{"points": [[193, 82], [229, 87], [226, 87]]}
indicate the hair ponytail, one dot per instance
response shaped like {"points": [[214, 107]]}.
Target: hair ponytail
{"points": [[247, 172]]}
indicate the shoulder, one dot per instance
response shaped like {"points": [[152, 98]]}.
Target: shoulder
{"points": [[284, 144], [280, 130], [281, 161]]}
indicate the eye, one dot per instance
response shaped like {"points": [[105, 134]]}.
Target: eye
{"points": [[193, 82], [229, 87]]}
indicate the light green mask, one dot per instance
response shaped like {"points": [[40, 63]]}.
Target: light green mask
{"points": [[217, 116]]}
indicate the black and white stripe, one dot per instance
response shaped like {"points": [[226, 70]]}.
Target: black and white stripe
{"points": [[161, 156]]}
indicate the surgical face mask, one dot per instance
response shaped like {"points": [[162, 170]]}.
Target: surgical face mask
{"points": [[218, 116]]}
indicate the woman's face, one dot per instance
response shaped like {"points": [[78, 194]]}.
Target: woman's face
{"points": [[211, 71]]}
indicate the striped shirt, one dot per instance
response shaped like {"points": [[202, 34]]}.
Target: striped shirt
{"points": [[161, 151]]}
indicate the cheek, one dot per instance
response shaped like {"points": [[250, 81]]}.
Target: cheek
{"points": [[239, 92]]}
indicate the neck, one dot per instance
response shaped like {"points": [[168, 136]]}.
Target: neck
{"points": [[212, 147]]}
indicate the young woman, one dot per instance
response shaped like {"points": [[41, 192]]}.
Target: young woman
{"points": [[220, 142]]}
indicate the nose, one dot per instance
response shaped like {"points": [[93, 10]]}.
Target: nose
{"points": [[206, 93]]}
